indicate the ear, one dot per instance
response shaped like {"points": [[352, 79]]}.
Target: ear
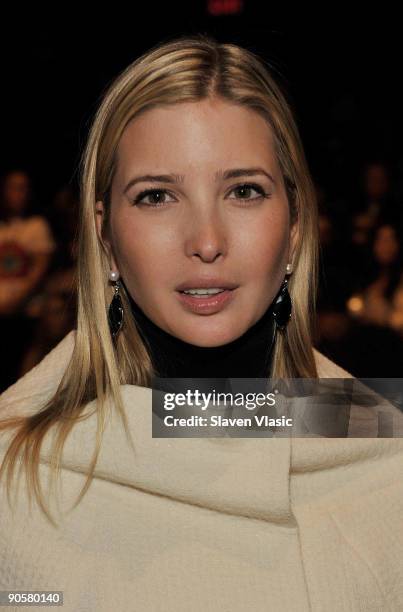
{"points": [[100, 218]]}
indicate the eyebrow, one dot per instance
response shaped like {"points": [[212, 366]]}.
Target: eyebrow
{"points": [[179, 178]]}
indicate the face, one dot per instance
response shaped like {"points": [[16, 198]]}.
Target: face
{"points": [[386, 246], [201, 225], [16, 191], [377, 182]]}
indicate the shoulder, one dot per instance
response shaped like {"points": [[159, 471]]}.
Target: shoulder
{"points": [[38, 231], [327, 368], [32, 390], [36, 222]]}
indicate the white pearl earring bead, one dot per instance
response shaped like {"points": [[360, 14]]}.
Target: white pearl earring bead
{"points": [[113, 275]]}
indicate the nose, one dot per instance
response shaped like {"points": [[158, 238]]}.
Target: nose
{"points": [[205, 236]]}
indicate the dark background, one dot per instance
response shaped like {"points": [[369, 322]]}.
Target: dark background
{"points": [[342, 78]]}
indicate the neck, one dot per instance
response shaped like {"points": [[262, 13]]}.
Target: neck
{"points": [[249, 356]]}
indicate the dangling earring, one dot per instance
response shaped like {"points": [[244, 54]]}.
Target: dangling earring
{"points": [[115, 311], [283, 306]]}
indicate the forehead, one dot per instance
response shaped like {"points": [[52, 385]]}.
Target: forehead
{"points": [[196, 135]]}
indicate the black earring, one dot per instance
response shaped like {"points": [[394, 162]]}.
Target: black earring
{"points": [[282, 306], [115, 311]]}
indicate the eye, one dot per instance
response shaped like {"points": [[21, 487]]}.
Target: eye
{"points": [[154, 194], [157, 196], [246, 188]]}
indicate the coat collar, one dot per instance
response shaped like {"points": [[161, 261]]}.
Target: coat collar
{"points": [[244, 476]]}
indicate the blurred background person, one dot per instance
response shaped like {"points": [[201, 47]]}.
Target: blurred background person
{"points": [[63, 218], [53, 308], [364, 329], [55, 319], [374, 202], [380, 302], [26, 247]]}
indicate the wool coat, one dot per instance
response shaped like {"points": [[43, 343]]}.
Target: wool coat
{"points": [[208, 524]]}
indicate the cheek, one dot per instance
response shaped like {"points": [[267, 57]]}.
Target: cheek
{"points": [[257, 248], [140, 249], [263, 245]]}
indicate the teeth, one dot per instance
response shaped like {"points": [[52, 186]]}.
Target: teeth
{"points": [[203, 291]]}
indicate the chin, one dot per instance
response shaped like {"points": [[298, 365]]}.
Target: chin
{"points": [[210, 338]]}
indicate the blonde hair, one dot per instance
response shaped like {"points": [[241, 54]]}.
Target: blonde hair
{"points": [[189, 68]]}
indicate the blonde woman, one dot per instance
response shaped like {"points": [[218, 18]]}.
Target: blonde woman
{"points": [[194, 180]]}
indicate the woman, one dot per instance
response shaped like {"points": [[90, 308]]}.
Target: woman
{"points": [[193, 176], [381, 300], [26, 247], [374, 202]]}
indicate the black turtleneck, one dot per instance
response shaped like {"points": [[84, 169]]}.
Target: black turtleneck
{"points": [[249, 356]]}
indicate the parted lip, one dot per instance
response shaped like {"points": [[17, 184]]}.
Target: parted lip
{"points": [[206, 283]]}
